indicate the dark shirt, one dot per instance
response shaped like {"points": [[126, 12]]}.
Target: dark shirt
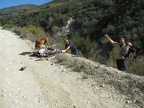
{"points": [[72, 46]]}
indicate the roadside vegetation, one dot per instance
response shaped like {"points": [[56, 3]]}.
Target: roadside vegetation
{"points": [[129, 85]]}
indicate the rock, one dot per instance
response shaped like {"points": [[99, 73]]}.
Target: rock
{"points": [[16, 101], [9, 95], [3, 90], [3, 95], [22, 68], [128, 102], [102, 85], [60, 66], [52, 63], [6, 69], [134, 101], [63, 70]]}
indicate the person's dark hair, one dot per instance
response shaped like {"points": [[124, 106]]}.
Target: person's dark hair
{"points": [[122, 39]]}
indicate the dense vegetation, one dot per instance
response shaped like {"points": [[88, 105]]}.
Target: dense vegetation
{"points": [[15, 8], [93, 19]]}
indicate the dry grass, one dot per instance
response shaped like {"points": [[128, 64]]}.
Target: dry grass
{"points": [[77, 64], [136, 66], [125, 83], [29, 32]]}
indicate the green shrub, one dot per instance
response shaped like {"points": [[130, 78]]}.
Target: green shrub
{"points": [[38, 32], [57, 41], [8, 25], [136, 66], [112, 59], [18, 31], [30, 32], [33, 29], [84, 45]]}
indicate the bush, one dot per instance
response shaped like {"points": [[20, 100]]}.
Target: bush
{"points": [[84, 45], [38, 32], [30, 32], [24, 33], [8, 25], [112, 59], [136, 66]]}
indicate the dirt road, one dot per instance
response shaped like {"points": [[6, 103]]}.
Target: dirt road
{"points": [[46, 85]]}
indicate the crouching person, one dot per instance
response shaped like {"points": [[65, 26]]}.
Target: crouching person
{"points": [[71, 46]]}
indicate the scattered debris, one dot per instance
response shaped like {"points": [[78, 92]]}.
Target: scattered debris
{"points": [[3, 90], [52, 63], [102, 85], [51, 57], [63, 70], [22, 68]]}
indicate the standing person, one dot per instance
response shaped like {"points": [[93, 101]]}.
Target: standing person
{"points": [[71, 46], [121, 51]]}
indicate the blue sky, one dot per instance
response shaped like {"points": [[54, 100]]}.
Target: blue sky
{"points": [[8, 3]]}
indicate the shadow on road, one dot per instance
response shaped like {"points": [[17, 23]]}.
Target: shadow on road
{"points": [[25, 53]]}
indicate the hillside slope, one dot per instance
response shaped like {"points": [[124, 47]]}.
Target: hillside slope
{"points": [[49, 84], [16, 8], [92, 19]]}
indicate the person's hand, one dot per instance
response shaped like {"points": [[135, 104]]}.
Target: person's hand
{"points": [[123, 57], [129, 44], [107, 36], [63, 51]]}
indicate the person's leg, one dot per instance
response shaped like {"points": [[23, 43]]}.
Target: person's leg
{"points": [[118, 63], [75, 52], [124, 64]]}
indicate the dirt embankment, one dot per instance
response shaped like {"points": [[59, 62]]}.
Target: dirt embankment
{"points": [[79, 83]]}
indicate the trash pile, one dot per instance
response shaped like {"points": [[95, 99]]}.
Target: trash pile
{"points": [[46, 52]]}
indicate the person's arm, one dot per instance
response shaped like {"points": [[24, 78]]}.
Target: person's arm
{"points": [[109, 39], [66, 49]]}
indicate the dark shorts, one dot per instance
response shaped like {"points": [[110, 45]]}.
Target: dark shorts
{"points": [[122, 64]]}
